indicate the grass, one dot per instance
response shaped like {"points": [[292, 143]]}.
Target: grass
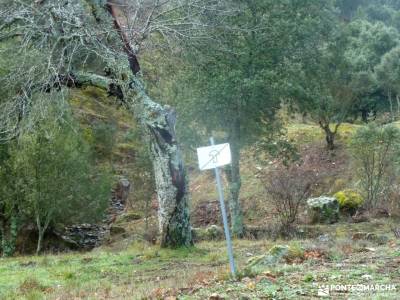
{"points": [[142, 271], [103, 273]]}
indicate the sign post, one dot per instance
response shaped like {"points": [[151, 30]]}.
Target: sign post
{"points": [[213, 157]]}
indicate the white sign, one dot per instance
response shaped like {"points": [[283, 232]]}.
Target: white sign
{"points": [[214, 156]]}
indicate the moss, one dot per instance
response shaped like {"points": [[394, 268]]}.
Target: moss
{"points": [[349, 199]]}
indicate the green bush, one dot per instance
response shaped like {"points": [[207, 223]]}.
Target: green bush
{"points": [[375, 152], [349, 199]]}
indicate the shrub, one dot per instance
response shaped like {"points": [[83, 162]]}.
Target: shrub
{"points": [[289, 187], [375, 150], [349, 200]]}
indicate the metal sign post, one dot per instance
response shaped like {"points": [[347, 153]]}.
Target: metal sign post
{"points": [[215, 156]]}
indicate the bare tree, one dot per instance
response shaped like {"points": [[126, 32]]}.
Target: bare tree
{"points": [[288, 189], [60, 44]]}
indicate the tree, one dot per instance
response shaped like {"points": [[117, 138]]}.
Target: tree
{"points": [[323, 85], [367, 44], [375, 150], [388, 73], [235, 80], [59, 184], [92, 42]]}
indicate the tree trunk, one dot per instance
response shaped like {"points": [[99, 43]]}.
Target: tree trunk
{"points": [[39, 241], [390, 105], [329, 134], [330, 139], [235, 182], [159, 125], [364, 115], [40, 235], [170, 176], [398, 105]]}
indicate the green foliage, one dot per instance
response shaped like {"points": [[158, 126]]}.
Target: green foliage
{"points": [[388, 71], [349, 199], [367, 43], [376, 151], [52, 167], [10, 200]]}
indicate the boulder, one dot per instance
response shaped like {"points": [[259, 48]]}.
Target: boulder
{"points": [[118, 201], [324, 238], [84, 236], [122, 189], [212, 232], [323, 209], [276, 254]]}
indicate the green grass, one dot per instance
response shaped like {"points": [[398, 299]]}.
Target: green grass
{"points": [[134, 271], [141, 271]]}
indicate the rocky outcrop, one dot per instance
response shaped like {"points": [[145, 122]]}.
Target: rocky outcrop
{"points": [[118, 201], [84, 236], [89, 236], [323, 209]]}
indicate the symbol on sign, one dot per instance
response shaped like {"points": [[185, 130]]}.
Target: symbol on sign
{"points": [[214, 156]]}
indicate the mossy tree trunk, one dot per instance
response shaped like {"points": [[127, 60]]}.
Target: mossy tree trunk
{"points": [[158, 123], [170, 176]]}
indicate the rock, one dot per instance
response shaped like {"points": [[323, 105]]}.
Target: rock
{"points": [[324, 238], [274, 256], [122, 189], [215, 296], [119, 198], [323, 209], [367, 277], [84, 236], [212, 232], [370, 249], [88, 236]]}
